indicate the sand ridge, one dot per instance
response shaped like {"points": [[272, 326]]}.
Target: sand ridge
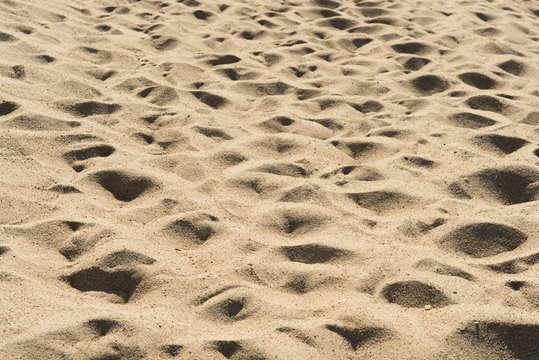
{"points": [[324, 179]]}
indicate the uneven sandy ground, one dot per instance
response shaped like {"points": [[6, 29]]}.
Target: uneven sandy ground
{"points": [[316, 179]]}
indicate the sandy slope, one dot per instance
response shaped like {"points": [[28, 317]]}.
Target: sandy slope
{"points": [[309, 179]]}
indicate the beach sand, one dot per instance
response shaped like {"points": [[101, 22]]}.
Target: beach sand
{"points": [[257, 179]]}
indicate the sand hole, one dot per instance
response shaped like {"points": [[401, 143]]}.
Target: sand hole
{"points": [[212, 132], [373, 11], [89, 152], [358, 337], [483, 16], [383, 201], [195, 228], [418, 161], [385, 20], [230, 309], [3, 250], [125, 257], [102, 327], [340, 23], [278, 122], [414, 294], [430, 84], [64, 189], [90, 108], [359, 173], [416, 63], [5, 37], [327, 3], [122, 185], [512, 67], [224, 60], [503, 340], [296, 219], [485, 103], [500, 143], [264, 88], [362, 149], [360, 42], [172, 349], [478, 80], [45, 58], [410, 48], [283, 169], [202, 15], [507, 185], [121, 283], [165, 43], [517, 265], [303, 193], [229, 158], [103, 28], [471, 120], [312, 253], [368, 107], [7, 107], [484, 239], [34, 122], [516, 285], [214, 101], [443, 269], [227, 348], [329, 13]]}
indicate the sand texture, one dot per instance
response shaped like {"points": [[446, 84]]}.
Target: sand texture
{"points": [[263, 179]]}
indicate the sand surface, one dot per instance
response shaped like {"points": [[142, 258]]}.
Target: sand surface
{"points": [[262, 179]]}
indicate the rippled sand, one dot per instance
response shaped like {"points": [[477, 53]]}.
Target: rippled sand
{"points": [[314, 179]]}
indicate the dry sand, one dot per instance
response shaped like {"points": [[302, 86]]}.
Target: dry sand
{"points": [[246, 179]]}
